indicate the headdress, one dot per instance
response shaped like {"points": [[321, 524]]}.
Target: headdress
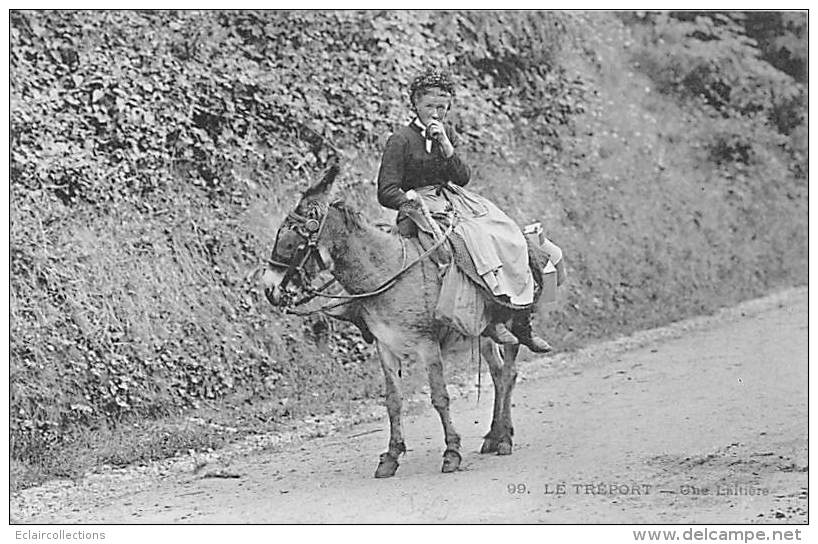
{"points": [[431, 78]]}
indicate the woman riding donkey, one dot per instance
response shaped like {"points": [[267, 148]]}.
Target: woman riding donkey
{"points": [[420, 162]]}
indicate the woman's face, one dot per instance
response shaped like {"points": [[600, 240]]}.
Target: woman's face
{"points": [[432, 104]]}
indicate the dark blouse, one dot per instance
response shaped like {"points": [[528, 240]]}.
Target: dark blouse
{"points": [[406, 165]]}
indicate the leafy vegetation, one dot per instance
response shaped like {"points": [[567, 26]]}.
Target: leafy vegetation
{"points": [[153, 154], [716, 59]]}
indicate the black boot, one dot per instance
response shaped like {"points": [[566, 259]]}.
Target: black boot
{"points": [[521, 327]]}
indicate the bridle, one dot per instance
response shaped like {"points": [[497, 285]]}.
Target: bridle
{"points": [[309, 229]]}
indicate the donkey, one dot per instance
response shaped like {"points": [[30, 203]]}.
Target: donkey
{"points": [[324, 234]]}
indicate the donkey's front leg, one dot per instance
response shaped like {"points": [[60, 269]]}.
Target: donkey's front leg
{"points": [[388, 464], [440, 400]]}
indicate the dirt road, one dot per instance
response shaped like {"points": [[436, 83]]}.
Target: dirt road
{"points": [[705, 422]]}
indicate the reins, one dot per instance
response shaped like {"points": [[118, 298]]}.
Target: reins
{"points": [[347, 299]]}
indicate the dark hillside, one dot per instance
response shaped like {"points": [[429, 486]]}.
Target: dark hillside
{"points": [[153, 154]]}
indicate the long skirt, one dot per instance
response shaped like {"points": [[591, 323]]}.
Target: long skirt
{"points": [[495, 242]]}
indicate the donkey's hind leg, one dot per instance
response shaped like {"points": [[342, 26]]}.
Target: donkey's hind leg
{"points": [[509, 378], [440, 400], [388, 464], [490, 352]]}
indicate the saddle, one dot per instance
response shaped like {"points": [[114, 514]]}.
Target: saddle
{"points": [[455, 250]]}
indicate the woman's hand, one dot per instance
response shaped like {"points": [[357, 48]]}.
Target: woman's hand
{"points": [[436, 131]]}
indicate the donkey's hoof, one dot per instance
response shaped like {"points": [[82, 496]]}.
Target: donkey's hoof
{"points": [[489, 446], [504, 447], [451, 461], [387, 466]]}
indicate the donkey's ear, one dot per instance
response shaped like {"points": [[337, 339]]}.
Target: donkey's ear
{"points": [[325, 184]]}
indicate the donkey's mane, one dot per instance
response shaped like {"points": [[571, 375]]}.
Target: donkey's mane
{"points": [[352, 217]]}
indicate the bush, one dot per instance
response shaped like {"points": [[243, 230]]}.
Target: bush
{"points": [[713, 60]]}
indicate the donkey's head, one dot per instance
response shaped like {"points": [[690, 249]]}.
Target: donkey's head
{"points": [[298, 254]]}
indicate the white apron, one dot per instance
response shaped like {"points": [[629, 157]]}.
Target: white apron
{"points": [[495, 242]]}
